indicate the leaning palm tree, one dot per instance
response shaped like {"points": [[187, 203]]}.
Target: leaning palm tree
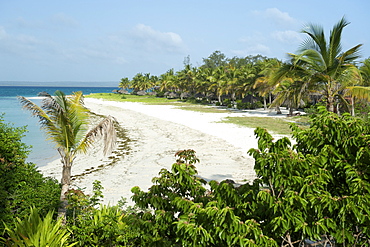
{"points": [[65, 121]]}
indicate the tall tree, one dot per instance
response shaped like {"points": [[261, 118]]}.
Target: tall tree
{"points": [[125, 83], [216, 59], [217, 82], [167, 81], [263, 82], [65, 121], [326, 63]]}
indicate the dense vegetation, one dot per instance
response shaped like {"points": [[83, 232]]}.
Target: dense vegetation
{"points": [[317, 190], [320, 71], [21, 185]]}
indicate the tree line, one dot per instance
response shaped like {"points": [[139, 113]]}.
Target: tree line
{"points": [[320, 71], [315, 192]]}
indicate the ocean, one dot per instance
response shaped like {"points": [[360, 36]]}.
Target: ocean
{"points": [[42, 151]]}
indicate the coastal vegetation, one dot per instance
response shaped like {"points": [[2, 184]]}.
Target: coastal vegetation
{"points": [[21, 185], [321, 71], [310, 193], [65, 121], [316, 191]]}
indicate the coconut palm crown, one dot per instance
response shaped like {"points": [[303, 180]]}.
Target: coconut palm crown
{"points": [[65, 121], [330, 68]]}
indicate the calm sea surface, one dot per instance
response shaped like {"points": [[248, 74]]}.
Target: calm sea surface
{"points": [[42, 151]]}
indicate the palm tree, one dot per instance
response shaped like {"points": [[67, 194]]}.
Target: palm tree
{"points": [[65, 119], [186, 80], [263, 83], [232, 82], [167, 80], [217, 82], [125, 83], [325, 61]]}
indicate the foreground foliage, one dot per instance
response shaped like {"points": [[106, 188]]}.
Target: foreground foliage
{"points": [[315, 192], [36, 231], [319, 188], [21, 185]]}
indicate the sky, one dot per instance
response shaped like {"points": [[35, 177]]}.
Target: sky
{"points": [[104, 41]]}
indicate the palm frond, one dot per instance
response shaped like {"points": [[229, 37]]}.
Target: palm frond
{"points": [[365, 72], [351, 54], [359, 92], [106, 130], [335, 47], [344, 102], [349, 75], [316, 40], [45, 121]]}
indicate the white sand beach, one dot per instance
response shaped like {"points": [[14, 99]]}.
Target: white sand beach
{"points": [[156, 133]]}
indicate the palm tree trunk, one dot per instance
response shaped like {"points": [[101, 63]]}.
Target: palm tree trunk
{"points": [[353, 106], [66, 182], [270, 98], [278, 111], [264, 103], [330, 104], [291, 111]]}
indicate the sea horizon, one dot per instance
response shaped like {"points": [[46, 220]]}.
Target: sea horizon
{"points": [[60, 83], [42, 151]]}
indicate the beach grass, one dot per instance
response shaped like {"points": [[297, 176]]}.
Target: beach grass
{"points": [[146, 99], [152, 100], [280, 125], [203, 108]]}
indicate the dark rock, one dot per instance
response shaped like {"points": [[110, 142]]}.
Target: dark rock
{"points": [[43, 94]]}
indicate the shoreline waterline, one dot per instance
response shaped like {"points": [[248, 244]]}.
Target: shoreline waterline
{"points": [[42, 151]]}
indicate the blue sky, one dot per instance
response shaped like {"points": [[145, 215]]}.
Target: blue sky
{"points": [[106, 40]]}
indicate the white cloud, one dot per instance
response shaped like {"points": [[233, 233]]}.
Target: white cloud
{"points": [[153, 40], [288, 36], [277, 17]]}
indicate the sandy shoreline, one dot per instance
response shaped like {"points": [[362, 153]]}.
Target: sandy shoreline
{"points": [[156, 133]]}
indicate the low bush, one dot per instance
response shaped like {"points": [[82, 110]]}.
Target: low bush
{"points": [[37, 231]]}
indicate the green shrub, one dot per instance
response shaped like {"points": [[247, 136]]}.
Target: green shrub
{"points": [[160, 94], [186, 214], [91, 226], [226, 102], [35, 231], [320, 187], [315, 191], [21, 185]]}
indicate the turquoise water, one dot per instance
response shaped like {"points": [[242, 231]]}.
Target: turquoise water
{"points": [[42, 151]]}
